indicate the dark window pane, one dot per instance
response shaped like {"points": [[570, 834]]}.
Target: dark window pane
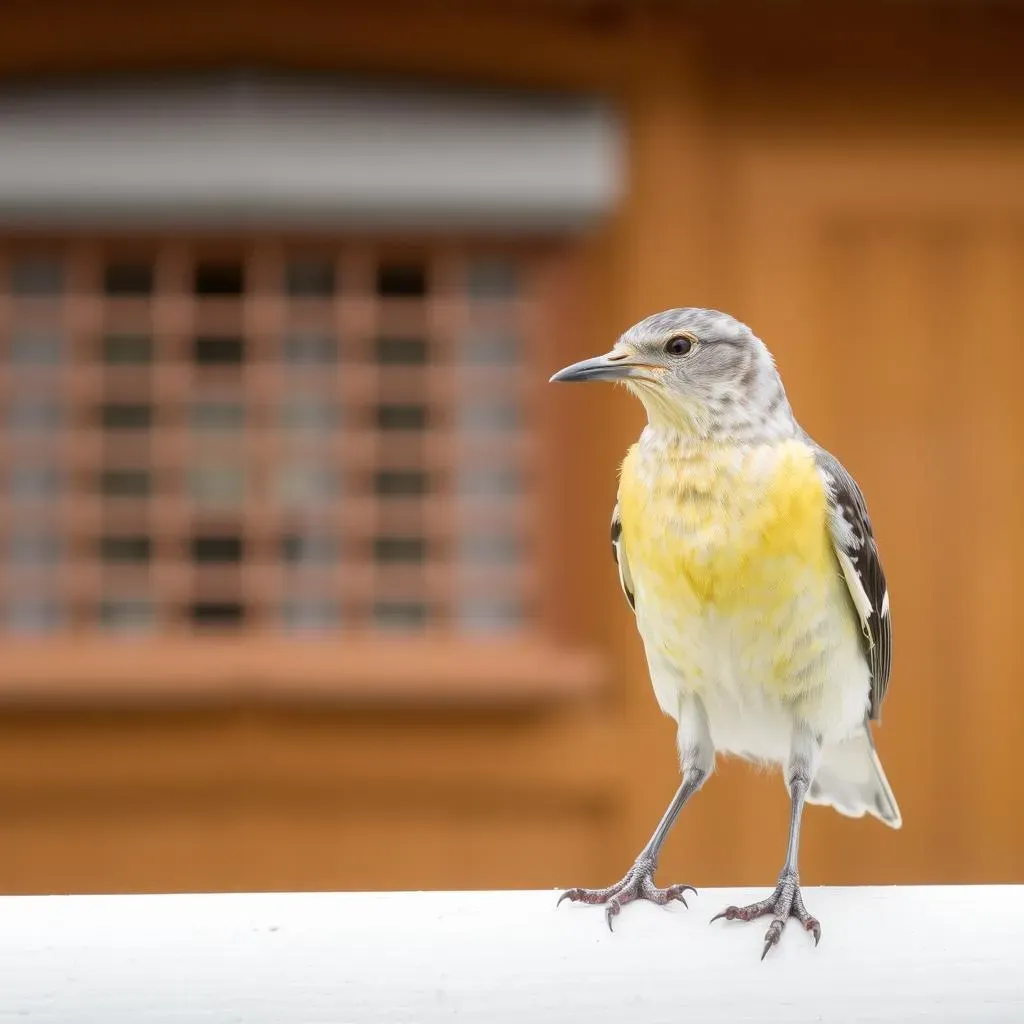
{"points": [[310, 278], [217, 485], [214, 351], [490, 481], [222, 549], [34, 483], [310, 348], [123, 416], [489, 616], [127, 349], [29, 417], [37, 276], [308, 549], [225, 614], [400, 614], [489, 548], [401, 482], [307, 484], [125, 483], [402, 417], [491, 349], [213, 415], [126, 549], [399, 549], [31, 347], [215, 278], [33, 550], [33, 615], [402, 351], [128, 614], [495, 415], [309, 414], [401, 280], [128, 279], [492, 279], [310, 614]]}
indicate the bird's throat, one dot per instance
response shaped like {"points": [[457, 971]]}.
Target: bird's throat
{"points": [[668, 414]]}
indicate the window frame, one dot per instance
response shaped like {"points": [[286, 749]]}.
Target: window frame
{"points": [[539, 664]]}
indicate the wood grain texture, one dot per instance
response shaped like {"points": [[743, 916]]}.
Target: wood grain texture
{"points": [[357, 669], [892, 338], [856, 198]]}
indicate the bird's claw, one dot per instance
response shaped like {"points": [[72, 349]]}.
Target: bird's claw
{"points": [[786, 902], [637, 885], [614, 908]]}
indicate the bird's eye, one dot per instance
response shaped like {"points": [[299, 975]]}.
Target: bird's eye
{"points": [[679, 345]]}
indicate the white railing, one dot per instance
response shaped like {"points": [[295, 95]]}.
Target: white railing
{"points": [[886, 955]]}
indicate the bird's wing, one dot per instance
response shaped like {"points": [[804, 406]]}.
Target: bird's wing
{"points": [[619, 554], [855, 547]]}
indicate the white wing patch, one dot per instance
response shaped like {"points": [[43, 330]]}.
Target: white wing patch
{"points": [[861, 601]]}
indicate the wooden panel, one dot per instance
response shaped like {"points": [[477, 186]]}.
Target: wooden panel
{"points": [[795, 192], [240, 800], [892, 307], [220, 842], [263, 667], [457, 845]]}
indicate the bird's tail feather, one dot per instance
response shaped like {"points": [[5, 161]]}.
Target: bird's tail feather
{"points": [[850, 779]]}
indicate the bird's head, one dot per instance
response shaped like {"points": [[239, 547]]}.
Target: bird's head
{"points": [[697, 371]]}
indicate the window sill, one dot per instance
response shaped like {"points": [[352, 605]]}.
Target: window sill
{"points": [[274, 669]]}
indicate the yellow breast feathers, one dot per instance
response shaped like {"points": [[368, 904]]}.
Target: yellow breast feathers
{"points": [[722, 528]]}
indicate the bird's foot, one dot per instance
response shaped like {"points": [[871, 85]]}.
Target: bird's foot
{"points": [[786, 902], [637, 885]]}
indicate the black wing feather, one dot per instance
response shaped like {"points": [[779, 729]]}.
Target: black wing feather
{"points": [[852, 535], [619, 554]]}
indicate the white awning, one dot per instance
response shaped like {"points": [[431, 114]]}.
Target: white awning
{"points": [[304, 153]]}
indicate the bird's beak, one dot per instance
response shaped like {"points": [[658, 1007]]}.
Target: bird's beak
{"points": [[614, 365]]}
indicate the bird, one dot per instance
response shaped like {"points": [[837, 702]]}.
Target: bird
{"points": [[748, 559]]}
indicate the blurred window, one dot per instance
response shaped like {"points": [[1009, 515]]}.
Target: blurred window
{"points": [[310, 278], [331, 440], [37, 275], [127, 349], [221, 278], [128, 279], [218, 351], [402, 280]]}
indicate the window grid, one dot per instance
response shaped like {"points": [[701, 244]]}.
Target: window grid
{"points": [[265, 437]]}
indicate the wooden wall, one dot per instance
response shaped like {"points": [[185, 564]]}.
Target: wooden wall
{"points": [[851, 189]]}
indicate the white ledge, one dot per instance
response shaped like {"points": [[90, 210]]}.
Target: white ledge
{"points": [[886, 954]]}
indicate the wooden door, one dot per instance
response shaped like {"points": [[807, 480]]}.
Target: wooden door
{"points": [[887, 278]]}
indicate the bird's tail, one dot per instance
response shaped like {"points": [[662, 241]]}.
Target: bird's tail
{"points": [[850, 779]]}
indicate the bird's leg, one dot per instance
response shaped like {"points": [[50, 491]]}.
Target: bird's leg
{"points": [[787, 901], [638, 884]]}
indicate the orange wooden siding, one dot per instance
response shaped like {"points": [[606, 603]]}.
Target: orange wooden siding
{"points": [[864, 214]]}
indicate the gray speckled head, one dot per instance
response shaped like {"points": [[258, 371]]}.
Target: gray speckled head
{"points": [[702, 371]]}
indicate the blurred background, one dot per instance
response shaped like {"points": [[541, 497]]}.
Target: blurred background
{"points": [[305, 569]]}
